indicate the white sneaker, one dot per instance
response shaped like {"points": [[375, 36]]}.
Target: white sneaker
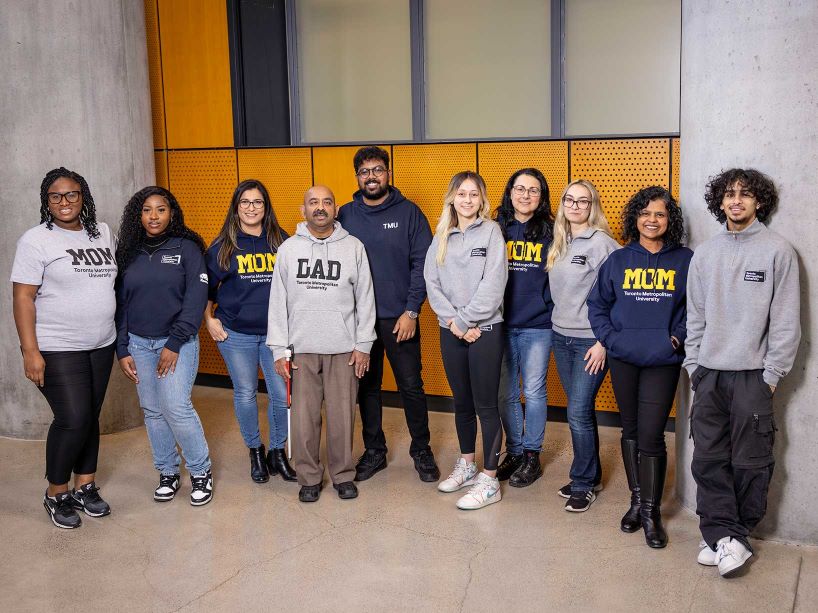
{"points": [[731, 554], [201, 491], [485, 491], [707, 557], [462, 476]]}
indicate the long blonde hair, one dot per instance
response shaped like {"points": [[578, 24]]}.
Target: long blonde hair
{"points": [[448, 217], [562, 227]]}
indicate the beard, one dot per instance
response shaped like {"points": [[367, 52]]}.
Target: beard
{"points": [[379, 191]]}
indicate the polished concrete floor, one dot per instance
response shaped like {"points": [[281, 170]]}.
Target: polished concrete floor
{"points": [[401, 546]]}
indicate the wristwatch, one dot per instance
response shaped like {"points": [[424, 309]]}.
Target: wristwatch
{"points": [[412, 314]]}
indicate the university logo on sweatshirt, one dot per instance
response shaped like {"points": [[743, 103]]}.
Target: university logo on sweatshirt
{"points": [[256, 262], [649, 278]]}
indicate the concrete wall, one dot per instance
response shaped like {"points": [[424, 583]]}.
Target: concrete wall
{"points": [[750, 98], [75, 94]]}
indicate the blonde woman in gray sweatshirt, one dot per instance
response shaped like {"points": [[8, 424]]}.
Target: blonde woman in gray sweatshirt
{"points": [[582, 242], [466, 272]]}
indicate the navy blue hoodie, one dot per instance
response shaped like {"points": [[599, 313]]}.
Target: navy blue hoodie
{"points": [[396, 235], [639, 302], [164, 294], [528, 301], [242, 292]]}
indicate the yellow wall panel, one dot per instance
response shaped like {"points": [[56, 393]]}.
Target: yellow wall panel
{"points": [[161, 162], [675, 152], [155, 73], [196, 73]]}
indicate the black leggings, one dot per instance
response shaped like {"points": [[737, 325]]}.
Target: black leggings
{"points": [[473, 371], [645, 397], [75, 384]]}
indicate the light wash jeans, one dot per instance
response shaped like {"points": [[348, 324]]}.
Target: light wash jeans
{"points": [[170, 418], [526, 356], [243, 354]]}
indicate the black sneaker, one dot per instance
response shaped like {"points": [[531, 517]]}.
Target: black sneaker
{"points": [[201, 489], [565, 490], [61, 510], [528, 472], [509, 464], [369, 463], [88, 500], [580, 501], [426, 466], [167, 488], [346, 490]]}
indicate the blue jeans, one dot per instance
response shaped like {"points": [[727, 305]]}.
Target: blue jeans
{"points": [[243, 353], [527, 351], [581, 389], [169, 414]]}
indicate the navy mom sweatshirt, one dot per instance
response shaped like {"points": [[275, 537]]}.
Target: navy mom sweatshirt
{"points": [[639, 302], [528, 302]]}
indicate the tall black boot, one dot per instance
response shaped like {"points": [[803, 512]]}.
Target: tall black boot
{"points": [[652, 481], [258, 466], [277, 462], [631, 521]]}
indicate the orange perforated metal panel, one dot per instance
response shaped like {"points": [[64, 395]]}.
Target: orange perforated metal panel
{"points": [[155, 73], [161, 163], [675, 150]]}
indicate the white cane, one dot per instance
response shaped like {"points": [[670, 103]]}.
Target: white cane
{"points": [[288, 357]]}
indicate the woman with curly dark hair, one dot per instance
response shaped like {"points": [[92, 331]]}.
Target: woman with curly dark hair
{"points": [[527, 223], [638, 311], [161, 296], [64, 304], [240, 266]]}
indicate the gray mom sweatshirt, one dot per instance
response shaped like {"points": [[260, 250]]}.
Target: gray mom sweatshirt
{"points": [[743, 306], [470, 284], [321, 298], [573, 277]]}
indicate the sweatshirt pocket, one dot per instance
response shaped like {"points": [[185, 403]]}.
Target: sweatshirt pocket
{"points": [[644, 346], [316, 331]]}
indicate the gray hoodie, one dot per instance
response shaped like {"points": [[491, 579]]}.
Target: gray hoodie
{"points": [[573, 277], [743, 303], [321, 298], [470, 284]]}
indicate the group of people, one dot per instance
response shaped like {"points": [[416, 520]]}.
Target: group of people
{"points": [[318, 310]]}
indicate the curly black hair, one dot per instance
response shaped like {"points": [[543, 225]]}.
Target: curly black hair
{"points": [[132, 234], [364, 154], [88, 213], [541, 224], [675, 233], [757, 182]]}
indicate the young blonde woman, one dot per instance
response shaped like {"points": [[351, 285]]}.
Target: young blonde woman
{"points": [[582, 242], [466, 273]]}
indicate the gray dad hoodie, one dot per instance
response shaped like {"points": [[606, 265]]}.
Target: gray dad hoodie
{"points": [[321, 298]]}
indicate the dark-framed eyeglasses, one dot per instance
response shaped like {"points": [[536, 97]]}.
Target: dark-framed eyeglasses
{"points": [[70, 197], [377, 172], [581, 203], [520, 190], [256, 204]]}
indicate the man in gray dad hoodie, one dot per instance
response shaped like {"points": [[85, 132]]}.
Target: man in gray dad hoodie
{"points": [[322, 303]]}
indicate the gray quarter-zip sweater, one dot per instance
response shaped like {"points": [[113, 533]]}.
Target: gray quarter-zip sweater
{"points": [[743, 304], [470, 284]]}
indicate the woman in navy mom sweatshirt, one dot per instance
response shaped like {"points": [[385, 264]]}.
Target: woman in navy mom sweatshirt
{"points": [[161, 295], [637, 309], [240, 266]]}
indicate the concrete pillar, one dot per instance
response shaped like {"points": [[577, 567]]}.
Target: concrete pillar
{"points": [[75, 94], [750, 99]]}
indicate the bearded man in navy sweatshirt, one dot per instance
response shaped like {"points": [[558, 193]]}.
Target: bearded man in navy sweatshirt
{"points": [[396, 235], [743, 330]]}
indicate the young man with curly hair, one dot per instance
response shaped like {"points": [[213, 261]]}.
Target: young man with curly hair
{"points": [[743, 330]]}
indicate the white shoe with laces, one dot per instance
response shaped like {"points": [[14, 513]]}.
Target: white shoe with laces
{"points": [[707, 557], [731, 554], [485, 491], [462, 476]]}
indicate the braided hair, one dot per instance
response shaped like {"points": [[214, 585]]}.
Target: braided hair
{"points": [[132, 233], [88, 213]]}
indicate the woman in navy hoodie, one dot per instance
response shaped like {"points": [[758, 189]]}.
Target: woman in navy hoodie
{"points": [[161, 295], [240, 266], [637, 309], [525, 217]]}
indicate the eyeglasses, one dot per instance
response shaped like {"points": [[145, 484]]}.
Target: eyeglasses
{"points": [[257, 204], [582, 203], [521, 191], [377, 172], [70, 197]]}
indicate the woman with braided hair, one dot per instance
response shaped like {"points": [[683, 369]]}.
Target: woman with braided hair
{"points": [[64, 304]]}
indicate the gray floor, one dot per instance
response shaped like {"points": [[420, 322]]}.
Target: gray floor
{"points": [[400, 546]]}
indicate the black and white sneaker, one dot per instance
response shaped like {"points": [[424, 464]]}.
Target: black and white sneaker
{"points": [[87, 499], [201, 491], [565, 490], [61, 510], [580, 502], [168, 486]]}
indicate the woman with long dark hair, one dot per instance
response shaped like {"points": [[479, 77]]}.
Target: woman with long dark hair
{"points": [[161, 295], [240, 264], [525, 217], [64, 304], [638, 311]]}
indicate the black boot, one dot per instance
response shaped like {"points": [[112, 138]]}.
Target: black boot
{"points": [[258, 467], [652, 482], [528, 472], [278, 465], [631, 522], [509, 464]]}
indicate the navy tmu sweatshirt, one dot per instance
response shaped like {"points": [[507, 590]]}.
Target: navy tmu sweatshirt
{"points": [[639, 302], [528, 302]]}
